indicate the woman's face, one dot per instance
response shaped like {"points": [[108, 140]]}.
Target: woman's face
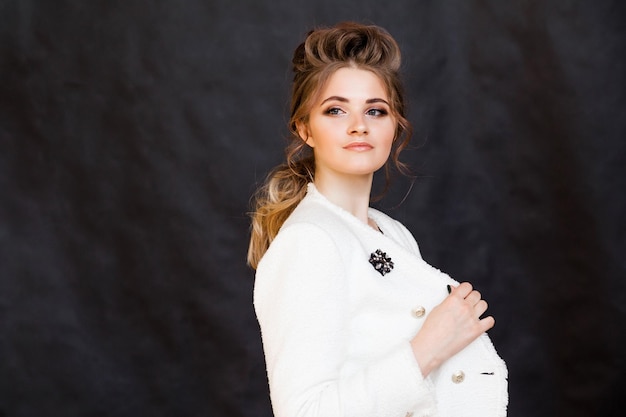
{"points": [[350, 127]]}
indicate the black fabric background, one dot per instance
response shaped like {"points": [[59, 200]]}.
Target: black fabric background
{"points": [[132, 134]]}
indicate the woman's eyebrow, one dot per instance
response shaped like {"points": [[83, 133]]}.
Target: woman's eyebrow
{"points": [[377, 100], [345, 100], [335, 98]]}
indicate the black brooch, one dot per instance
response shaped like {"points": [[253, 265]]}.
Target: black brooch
{"points": [[381, 262]]}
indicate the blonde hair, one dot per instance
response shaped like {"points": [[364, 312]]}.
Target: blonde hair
{"points": [[322, 53]]}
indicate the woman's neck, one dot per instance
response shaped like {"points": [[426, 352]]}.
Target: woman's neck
{"points": [[348, 192]]}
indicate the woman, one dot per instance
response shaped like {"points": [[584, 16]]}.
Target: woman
{"points": [[353, 321]]}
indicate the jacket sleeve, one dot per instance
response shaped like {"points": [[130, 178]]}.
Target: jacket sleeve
{"points": [[301, 299]]}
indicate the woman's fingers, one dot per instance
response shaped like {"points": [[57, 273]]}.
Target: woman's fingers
{"points": [[451, 325], [480, 308], [487, 323], [462, 290], [473, 297]]}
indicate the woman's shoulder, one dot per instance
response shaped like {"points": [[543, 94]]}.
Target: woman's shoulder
{"points": [[315, 209], [312, 212], [311, 229]]}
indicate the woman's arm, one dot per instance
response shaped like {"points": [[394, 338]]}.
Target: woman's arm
{"points": [[302, 303]]}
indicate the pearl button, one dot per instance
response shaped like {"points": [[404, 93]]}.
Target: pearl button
{"points": [[458, 377], [418, 312]]}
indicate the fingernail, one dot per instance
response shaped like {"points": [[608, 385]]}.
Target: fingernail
{"points": [[449, 288]]}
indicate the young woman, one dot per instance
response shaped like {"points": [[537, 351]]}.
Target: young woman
{"points": [[354, 322]]}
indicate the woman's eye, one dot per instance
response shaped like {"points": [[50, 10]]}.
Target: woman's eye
{"points": [[334, 111], [376, 112]]}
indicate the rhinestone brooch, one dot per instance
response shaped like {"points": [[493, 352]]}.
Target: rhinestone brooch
{"points": [[381, 262]]}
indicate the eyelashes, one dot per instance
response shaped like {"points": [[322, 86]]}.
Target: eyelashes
{"points": [[377, 112], [334, 111]]}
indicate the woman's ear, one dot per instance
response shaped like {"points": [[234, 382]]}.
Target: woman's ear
{"points": [[303, 132]]}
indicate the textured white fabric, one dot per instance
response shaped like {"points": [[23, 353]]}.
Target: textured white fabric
{"points": [[336, 332]]}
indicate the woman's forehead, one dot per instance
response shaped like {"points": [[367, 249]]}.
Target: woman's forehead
{"points": [[353, 84]]}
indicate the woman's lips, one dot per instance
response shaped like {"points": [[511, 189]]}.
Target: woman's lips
{"points": [[358, 146]]}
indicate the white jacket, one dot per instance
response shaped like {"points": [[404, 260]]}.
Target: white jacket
{"points": [[336, 331]]}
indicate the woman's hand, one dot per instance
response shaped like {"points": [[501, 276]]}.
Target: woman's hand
{"points": [[450, 326]]}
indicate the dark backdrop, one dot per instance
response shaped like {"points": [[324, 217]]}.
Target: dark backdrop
{"points": [[132, 134]]}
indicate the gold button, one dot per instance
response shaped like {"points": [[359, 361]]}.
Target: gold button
{"points": [[419, 312], [458, 377]]}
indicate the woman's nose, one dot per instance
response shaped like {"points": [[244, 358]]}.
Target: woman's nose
{"points": [[358, 125]]}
